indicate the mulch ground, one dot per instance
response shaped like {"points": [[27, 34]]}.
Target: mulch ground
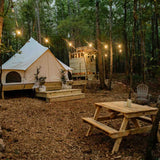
{"points": [[36, 130]]}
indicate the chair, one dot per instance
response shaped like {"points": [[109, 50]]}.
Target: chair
{"points": [[142, 94]]}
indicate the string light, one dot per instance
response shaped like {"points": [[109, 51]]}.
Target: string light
{"points": [[105, 55], [46, 40], [119, 46], [12, 10], [70, 44], [120, 51], [90, 45], [106, 46], [18, 32]]}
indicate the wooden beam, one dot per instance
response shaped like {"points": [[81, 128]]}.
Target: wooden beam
{"points": [[145, 119], [135, 122], [131, 132], [139, 114], [118, 140], [95, 118], [109, 117], [100, 125]]}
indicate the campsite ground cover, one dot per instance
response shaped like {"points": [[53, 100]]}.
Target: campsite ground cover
{"points": [[35, 130]]}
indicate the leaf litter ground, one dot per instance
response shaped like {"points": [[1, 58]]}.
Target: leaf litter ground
{"points": [[36, 130]]}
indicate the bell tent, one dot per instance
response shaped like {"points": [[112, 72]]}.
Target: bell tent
{"points": [[19, 71]]}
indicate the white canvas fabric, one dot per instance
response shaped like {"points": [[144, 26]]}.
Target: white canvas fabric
{"points": [[65, 66], [33, 55], [30, 52]]}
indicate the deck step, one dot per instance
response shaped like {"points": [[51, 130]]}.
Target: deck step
{"points": [[62, 92], [61, 95], [66, 97], [100, 125]]}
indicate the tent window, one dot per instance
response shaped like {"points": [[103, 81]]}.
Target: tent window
{"points": [[13, 77]]}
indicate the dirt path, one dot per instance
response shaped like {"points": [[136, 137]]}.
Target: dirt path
{"points": [[35, 130]]}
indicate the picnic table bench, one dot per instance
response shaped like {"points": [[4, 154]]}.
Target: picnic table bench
{"points": [[119, 109]]}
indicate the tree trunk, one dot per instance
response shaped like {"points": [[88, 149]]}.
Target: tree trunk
{"points": [[153, 37], [38, 21], [78, 6], [152, 139], [69, 9], [1, 29], [152, 72], [156, 29], [1, 18], [142, 44], [100, 65], [126, 40], [111, 50], [133, 47]]}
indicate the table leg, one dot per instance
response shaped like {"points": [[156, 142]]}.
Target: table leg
{"points": [[134, 120], [118, 140], [158, 136], [153, 117], [2, 94], [95, 117]]}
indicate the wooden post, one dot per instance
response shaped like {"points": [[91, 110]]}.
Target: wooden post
{"points": [[118, 140], [95, 117]]}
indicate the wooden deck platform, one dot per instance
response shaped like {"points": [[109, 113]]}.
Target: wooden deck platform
{"points": [[22, 86], [61, 95]]}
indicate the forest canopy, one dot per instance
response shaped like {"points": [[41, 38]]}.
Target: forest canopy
{"points": [[135, 26]]}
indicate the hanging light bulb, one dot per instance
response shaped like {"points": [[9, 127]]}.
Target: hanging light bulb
{"points": [[70, 44], [106, 46], [46, 40], [119, 46], [90, 45], [18, 32], [12, 8]]}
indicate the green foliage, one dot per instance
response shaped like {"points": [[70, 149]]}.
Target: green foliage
{"points": [[6, 52], [63, 77], [75, 21], [41, 79], [137, 79]]}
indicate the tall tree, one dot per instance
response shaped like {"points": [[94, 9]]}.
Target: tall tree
{"points": [[157, 27], [1, 18], [126, 39], [111, 49], [1, 27], [38, 21], [142, 37], [100, 65], [133, 46]]}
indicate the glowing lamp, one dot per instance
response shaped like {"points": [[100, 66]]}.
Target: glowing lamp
{"points": [[46, 40], [70, 44], [90, 45], [106, 46], [119, 46], [18, 32]]}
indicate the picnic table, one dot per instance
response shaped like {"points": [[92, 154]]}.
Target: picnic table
{"points": [[119, 109]]}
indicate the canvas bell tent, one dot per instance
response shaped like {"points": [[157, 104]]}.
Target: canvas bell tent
{"points": [[19, 71]]}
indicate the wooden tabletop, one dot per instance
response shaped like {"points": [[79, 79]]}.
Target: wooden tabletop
{"points": [[121, 106]]}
